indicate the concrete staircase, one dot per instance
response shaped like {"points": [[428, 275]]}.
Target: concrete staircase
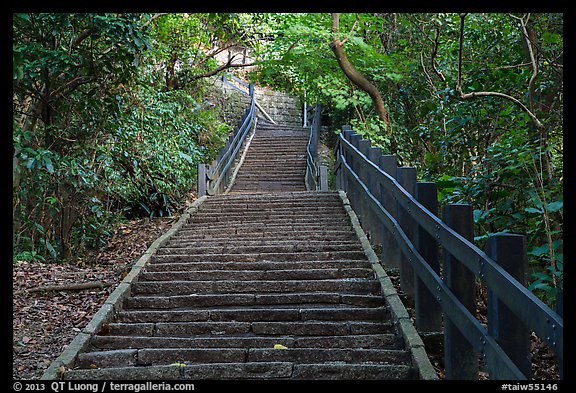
{"points": [[276, 160], [267, 282]]}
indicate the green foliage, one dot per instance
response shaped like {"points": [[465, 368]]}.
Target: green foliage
{"points": [[96, 138]]}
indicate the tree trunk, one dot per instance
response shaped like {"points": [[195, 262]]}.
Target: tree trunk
{"points": [[358, 79]]}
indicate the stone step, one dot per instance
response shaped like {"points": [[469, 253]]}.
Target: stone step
{"points": [[252, 275], [284, 159], [258, 370], [166, 356], [272, 175], [253, 314], [300, 299], [281, 257], [273, 170], [261, 236], [275, 247], [351, 285], [278, 146], [210, 329], [251, 187], [281, 160], [289, 238], [367, 341], [255, 205], [257, 265], [255, 227], [256, 238], [267, 215], [265, 182], [270, 227], [199, 230], [274, 145], [307, 219], [251, 370], [308, 197]]}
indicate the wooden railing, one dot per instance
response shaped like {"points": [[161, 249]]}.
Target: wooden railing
{"points": [[401, 214], [214, 178]]}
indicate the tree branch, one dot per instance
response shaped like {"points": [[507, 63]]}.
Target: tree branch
{"points": [[487, 93], [356, 77], [459, 80], [155, 16], [529, 45], [506, 96], [433, 58], [218, 69], [352, 29], [82, 36], [70, 287]]}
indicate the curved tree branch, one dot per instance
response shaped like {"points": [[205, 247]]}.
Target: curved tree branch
{"points": [[529, 45], [463, 95], [155, 16], [433, 59], [357, 78]]}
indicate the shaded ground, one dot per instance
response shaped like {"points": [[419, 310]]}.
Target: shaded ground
{"points": [[44, 323]]}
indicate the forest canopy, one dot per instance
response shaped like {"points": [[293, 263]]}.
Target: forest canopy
{"points": [[111, 118]]}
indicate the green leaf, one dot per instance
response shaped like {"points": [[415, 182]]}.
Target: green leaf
{"points": [[555, 206], [186, 157], [533, 210], [539, 285], [539, 251], [51, 250], [48, 164]]}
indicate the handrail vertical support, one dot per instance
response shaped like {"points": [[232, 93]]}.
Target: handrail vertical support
{"points": [[428, 310], [407, 178], [509, 251], [460, 359], [391, 254], [374, 154], [367, 216], [201, 179], [305, 113], [323, 177]]}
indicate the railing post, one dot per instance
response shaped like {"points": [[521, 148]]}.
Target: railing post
{"points": [[305, 114], [407, 178], [201, 179], [428, 310], [374, 154], [509, 251], [340, 175], [366, 214], [323, 177], [460, 359], [391, 254], [353, 161]]}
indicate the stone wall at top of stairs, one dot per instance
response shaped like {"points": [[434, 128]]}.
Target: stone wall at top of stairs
{"points": [[281, 107]]}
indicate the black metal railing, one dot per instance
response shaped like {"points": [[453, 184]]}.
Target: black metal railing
{"points": [[401, 215], [214, 178], [316, 177]]}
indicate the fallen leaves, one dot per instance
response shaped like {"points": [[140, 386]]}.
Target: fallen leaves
{"points": [[44, 323]]}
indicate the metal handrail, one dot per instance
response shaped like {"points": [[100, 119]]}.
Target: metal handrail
{"points": [[530, 310], [209, 179], [312, 172]]}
